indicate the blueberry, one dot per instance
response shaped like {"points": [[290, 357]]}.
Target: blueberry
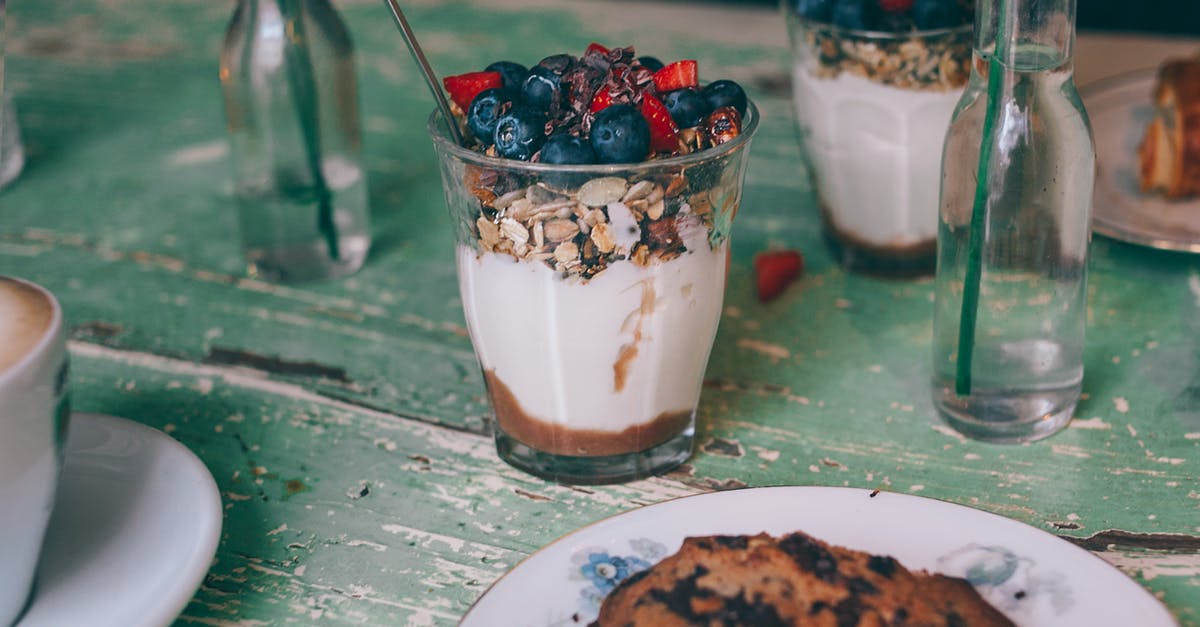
{"points": [[620, 135], [725, 93], [520, 133], [650, 63], [853, 14], [931, 14], [815, 10], [484, 112], [687, 107], [564, 149], [541, 89], [513, 74]]}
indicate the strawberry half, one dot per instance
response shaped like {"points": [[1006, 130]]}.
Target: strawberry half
{"points": [[601, 100], [774, 271], [464, 87], [664, 135], [677, 75]]}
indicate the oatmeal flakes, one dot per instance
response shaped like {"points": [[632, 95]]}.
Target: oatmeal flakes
{"points": [[561, 230], [602, 237], [514, 231]]}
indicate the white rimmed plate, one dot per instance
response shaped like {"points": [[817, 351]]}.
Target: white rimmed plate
{"points": [[1120, 108], [134, 529], [1034, 577]]}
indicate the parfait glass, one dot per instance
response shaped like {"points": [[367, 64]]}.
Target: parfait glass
{"points": [[592, 295]]}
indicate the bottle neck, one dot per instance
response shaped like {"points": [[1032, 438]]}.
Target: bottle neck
{"points": [[1038, 33]]}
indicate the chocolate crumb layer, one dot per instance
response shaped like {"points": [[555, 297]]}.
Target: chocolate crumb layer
{"points": [[896, 260], [558, 439]]}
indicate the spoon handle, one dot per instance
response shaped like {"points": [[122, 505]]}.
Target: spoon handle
{"points": [[430, 78]]}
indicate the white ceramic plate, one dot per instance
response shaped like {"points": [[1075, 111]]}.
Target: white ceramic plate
{"points": [[1119, 109], [1035, 578], [134, 529]]}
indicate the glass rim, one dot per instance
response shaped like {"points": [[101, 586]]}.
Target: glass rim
{"points": [[866, 33], [446, 145]]}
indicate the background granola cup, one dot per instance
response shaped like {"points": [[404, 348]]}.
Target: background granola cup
{"points": [[872, 109], [592, 295]]}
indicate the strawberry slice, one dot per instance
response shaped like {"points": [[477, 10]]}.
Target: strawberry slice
{"points": [[464, 87], [601, 100], [775, 270], [664, 134], [596, 48], [677, 75]]}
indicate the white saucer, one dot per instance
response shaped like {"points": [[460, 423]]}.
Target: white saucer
{"points": [[134, 529], [1033, 577]]}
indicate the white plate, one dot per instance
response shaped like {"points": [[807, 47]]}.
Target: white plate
{"points": [[1035, 578], [134, 529], [1119, 109]]}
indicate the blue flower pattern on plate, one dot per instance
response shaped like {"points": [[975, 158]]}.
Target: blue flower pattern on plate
{"points": [[1011, 582], [601, 569]]}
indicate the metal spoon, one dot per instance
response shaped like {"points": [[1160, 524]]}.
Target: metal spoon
{"points": [[430, 78]]}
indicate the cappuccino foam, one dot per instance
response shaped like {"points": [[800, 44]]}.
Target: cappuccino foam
{"points": [[25, 316]]}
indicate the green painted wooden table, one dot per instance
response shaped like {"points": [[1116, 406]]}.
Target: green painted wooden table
{"points": [[345, 422]]}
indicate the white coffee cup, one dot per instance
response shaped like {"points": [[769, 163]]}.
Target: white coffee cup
{"points": [[33, 419]]}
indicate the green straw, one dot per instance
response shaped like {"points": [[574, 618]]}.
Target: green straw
{"points": [[304, 93], [970, 303]]}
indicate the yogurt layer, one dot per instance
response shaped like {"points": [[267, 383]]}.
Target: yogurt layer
{"points": [[619, 350], [876, 152]]}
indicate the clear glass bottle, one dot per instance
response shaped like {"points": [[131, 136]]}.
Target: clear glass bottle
{"points": [[12, 150], [1011, 301], [291, 103]]}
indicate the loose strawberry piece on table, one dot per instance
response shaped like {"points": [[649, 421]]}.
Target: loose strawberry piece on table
{"points": [[664, 134], [775, 270], [677, 75], [464, 87]]}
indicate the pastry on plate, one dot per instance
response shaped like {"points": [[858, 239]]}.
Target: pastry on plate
{"points": [[793, 580], [1169, 156]]}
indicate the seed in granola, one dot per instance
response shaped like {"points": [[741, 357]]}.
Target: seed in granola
{"points": [[700, 204], [640, 255], [539, 234], [566, 253], [602, 237], [489, 233], [677, 184], [639, 190], [594, 217], [520, 209], [485, 196], [539, 195], [514, 231], [560, 230], [599, 192], [656, 209], [507, 199]]}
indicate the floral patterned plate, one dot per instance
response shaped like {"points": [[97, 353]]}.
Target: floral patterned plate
{"points": [[1034, 577]]}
